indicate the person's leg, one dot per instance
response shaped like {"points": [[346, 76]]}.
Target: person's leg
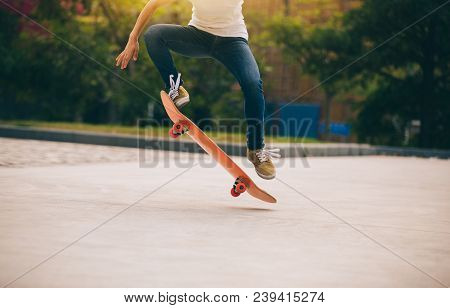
{"points": [[236, 55], [187, 41]]}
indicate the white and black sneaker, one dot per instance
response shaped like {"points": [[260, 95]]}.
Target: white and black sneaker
{"points": [[177, 93]]}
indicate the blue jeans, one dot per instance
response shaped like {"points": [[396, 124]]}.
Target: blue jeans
{"points": [[233, 52]]}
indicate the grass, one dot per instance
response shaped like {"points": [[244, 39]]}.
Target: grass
{"points": [[150, 131]]}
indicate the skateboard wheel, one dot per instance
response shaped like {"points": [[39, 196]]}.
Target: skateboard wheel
{"points": [[173, 134], [240, 188], [234, 193], [178, 128]]}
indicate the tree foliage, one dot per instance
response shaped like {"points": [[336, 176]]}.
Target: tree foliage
{"points": [[61, 67], [410, 63], [393, 50], [394, 56]]}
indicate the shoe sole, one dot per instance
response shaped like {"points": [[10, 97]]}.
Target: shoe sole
{"points": [[182, 102], [266, 177]]}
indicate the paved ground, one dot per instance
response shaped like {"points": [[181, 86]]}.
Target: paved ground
{"points": [[24, 153], [77, 215]]}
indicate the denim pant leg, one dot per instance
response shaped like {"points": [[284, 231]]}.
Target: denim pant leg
{"points": [[188, 41], [236, 55]]}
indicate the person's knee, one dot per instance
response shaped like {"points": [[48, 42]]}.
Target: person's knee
{"points": [[153, 34]]}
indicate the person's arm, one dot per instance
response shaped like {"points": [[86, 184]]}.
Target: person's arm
{"points": [[132, 48]]}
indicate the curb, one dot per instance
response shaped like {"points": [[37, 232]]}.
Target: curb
{"points": [[234, 149]]}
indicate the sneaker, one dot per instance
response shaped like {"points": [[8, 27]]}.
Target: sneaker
{"points": [[178, 93], [262, 160]]}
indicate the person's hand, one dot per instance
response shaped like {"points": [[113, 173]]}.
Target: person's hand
{"points": [[131, 51]]}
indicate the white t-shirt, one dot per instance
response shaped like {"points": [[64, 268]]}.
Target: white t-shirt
{"points": [[219, 17]]}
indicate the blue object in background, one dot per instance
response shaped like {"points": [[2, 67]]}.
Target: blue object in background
{"points": [[299, 120], [338, 129]]}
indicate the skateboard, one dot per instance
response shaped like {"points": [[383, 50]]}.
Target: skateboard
{"points": [[183, 125]]}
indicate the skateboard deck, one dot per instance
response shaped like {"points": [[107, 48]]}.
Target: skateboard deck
{"points": [[183, 125]]}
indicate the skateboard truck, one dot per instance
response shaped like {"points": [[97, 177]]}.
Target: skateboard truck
{"points": [[238, 188], [178, 129]]}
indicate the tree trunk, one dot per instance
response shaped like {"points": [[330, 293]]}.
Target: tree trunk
{"points": [[112, 22], [287, 8], [427, 98]]}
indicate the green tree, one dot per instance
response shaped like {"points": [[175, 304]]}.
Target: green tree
{"points": [[394, 51], [45, 78], [412, 69]]}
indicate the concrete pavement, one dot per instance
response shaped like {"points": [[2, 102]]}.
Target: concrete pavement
{"points": [[101, 220]]}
